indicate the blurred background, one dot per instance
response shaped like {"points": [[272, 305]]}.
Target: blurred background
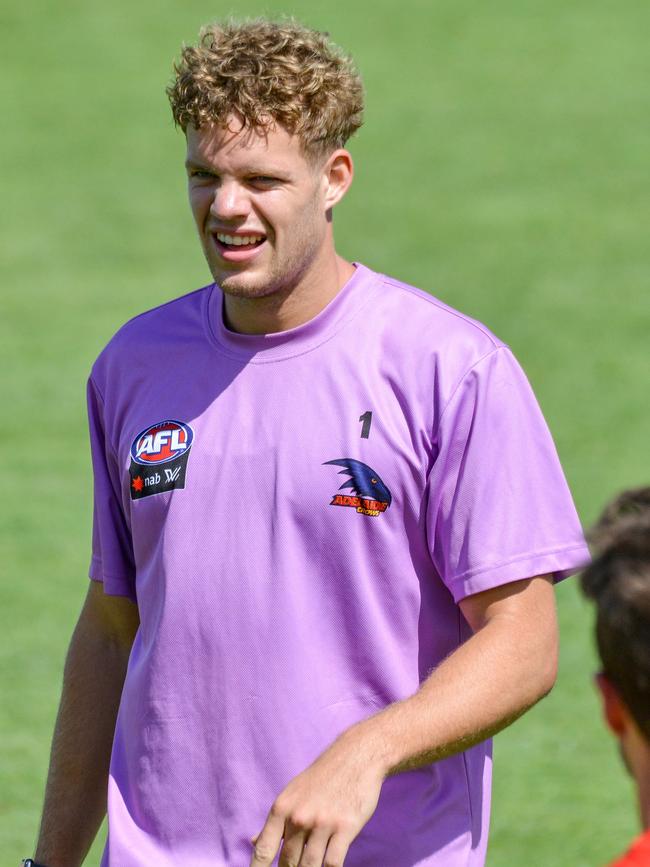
{"points": [[503, 166]]}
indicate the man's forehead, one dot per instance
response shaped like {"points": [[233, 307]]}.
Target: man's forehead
{"points": [[211, 141]]}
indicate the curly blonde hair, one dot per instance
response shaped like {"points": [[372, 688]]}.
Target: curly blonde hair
{"points": [[266, 72]]}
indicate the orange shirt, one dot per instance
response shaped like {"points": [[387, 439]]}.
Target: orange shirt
{"points": [[638, 855]]}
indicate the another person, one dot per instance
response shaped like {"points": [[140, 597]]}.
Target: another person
{"points": [[618, 582], [328, 520]]}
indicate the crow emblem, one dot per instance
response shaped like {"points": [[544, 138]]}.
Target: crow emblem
{"points": [[369, 494]]}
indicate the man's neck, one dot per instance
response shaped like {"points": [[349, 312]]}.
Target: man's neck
{"points": [[288, 309]]}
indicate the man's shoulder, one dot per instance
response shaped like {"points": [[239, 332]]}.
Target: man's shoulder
{"points": [[162, 318], [421, 319], [157, 329]]}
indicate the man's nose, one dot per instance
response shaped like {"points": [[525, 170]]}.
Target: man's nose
{"points": [[230, 202]]}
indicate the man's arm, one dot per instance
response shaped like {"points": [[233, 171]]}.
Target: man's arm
{"points": [[75, 794], [507, 665]]}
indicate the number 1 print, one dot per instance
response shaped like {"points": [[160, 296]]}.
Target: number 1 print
{"points": [[366, 418]]}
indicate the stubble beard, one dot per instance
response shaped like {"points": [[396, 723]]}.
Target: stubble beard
{"points": [[251, 285]]}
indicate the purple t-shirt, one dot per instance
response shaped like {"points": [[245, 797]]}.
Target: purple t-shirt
{"points": [[297, 515]]}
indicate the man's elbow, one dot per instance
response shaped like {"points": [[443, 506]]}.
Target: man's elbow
{"points": [[548, 680], [540, 669], [547, 668]]}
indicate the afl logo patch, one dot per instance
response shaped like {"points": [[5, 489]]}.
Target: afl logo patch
{"points": [[159, 456], [161, 442]]}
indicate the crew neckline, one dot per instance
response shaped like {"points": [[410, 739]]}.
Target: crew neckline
{"points": [[294, 341]]}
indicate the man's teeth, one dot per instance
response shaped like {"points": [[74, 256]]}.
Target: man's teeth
{"points": [[239, 240]]}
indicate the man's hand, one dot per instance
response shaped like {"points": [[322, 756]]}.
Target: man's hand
{"points": [[323, 809], [505, 667]]}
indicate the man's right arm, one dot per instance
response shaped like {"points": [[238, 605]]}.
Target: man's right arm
{"points": [[95, 668]]}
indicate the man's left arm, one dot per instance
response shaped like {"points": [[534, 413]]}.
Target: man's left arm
{"points": [[507, 665]]}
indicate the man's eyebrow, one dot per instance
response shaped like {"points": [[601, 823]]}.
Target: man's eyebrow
{"points": [[251, 169], [196, 164], [266, 171]]}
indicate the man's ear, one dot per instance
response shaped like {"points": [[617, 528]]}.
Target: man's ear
{"points": [[614, 711], [338, 172]]}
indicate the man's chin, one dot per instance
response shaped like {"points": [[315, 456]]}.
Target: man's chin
{"points": [[243, 289], [239, 286]]}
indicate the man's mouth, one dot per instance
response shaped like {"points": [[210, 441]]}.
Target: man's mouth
{"points": [[238, 248], [239, 242]]}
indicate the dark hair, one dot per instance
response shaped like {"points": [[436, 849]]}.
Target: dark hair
{"points": [[623, 511], [618, 581]]}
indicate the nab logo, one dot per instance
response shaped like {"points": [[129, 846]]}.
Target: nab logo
{"points": [[162, 442]]}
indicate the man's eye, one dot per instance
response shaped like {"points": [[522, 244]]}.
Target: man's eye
{"points": [[200, 174], [265, 180]]}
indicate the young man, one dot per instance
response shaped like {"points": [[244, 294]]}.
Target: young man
{"points": [[618, 581], [328, 517]]}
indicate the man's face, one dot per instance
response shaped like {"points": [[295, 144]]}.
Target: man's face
{"points": [[259, 207]]}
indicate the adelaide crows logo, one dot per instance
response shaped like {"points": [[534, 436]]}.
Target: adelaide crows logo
{"points": [[372, 496]]}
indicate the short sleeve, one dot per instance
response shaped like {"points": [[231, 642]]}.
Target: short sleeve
{"points": [[499, 508], [112, 550]]}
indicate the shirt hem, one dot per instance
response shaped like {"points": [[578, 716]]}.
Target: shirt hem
{"points": [[559, 562], [114, 585]]}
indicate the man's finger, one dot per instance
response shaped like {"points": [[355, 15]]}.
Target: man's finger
{"points": [[337, 849], [267, 842], [314, 851], [294, 842]]}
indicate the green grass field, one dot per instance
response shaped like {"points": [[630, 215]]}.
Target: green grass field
{"points": [[503, 166]]}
